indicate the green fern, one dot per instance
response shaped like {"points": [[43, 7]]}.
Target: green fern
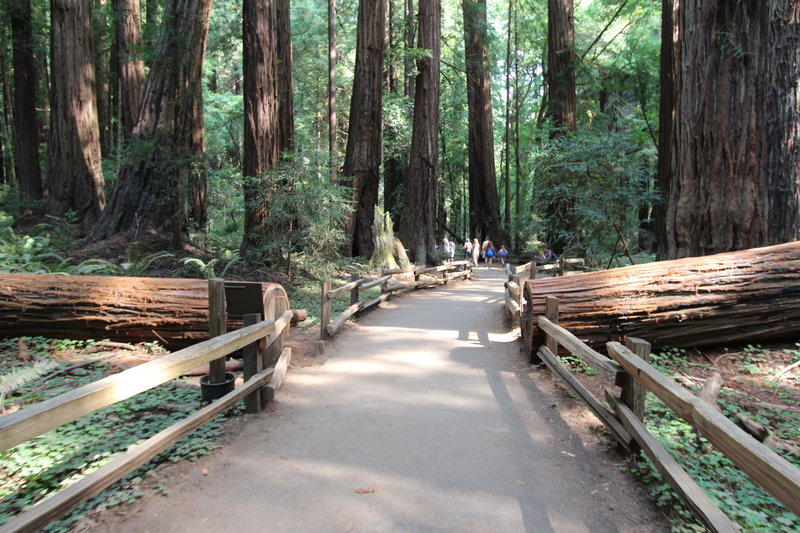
{"points": [[13, 380]]}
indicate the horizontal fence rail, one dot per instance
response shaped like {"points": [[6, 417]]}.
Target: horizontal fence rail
{"points": [[32, 421], [328, 328], [628, 368], [258, 339]]}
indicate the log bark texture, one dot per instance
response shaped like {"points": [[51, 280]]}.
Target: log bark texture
{"points": [[174, 311], [723, 299]]}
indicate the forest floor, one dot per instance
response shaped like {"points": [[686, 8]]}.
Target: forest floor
{"points": [[763, 382]]}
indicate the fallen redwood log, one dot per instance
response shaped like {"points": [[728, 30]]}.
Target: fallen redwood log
{"points": [[173, 311], [724, 299]]}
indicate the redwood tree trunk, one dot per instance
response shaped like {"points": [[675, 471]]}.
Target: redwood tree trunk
{"points": [[74, 175], [720, 300], [130, 65], [25, 123], [363, 154], [418, 228], [173, 311], [283, 72], [484, 203], [261, 126], [395, 166], [734, 150], [149, 193], [561, 66]]}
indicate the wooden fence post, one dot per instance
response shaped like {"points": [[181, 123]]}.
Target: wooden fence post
{"points": [[633, 393], [253, 364], [355, 292], [325, 315], [216, 325], [532, 270], [551, 312]]}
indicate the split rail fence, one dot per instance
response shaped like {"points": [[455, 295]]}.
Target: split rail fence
{"points": [[627, 367], [449, 272], [261, 342]]}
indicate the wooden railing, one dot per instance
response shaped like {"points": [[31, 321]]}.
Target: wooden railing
{"points": [[517, 275], [259, 340], [627, 367], [328, 328]]}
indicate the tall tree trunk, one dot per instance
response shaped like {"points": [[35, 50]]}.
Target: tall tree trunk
{"points": [[149, 193], [418, 230], [484, 204], [261, 127], [666, 104], [395, 166], [507, 139], [734, 153], [102, 65], [25, 123], [363, 154], [74, 175], [8, 161], [130, 65], [283, 72], [561, 66], [561, 105], [332, 88]]}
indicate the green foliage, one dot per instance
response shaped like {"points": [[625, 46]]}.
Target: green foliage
{"points": [[207, 269], [742, 500], [590, 189], [36, 469]]}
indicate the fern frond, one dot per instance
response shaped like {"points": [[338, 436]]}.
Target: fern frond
{"points": [[13, 380]]}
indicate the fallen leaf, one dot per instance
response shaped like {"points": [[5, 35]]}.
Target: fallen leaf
{"points": [[205, 471], [368, 491]]}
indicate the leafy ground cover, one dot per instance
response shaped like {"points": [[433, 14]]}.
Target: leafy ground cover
{"points": [[34, 470], [762, 383]]}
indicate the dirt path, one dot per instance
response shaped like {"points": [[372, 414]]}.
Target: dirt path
{"points": [[425, 418]]}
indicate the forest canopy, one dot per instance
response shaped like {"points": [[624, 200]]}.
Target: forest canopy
{"points": [[276, 128]]}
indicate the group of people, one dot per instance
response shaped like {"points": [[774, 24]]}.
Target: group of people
{"points": [[473, 250]]}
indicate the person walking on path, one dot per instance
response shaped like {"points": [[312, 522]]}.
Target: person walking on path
{"points": [[503, 253], [490, 253], [476, 250], [485, 246], [467, 249]]}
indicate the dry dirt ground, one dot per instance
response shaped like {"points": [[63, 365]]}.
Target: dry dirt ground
{"points": [[422, 416]]}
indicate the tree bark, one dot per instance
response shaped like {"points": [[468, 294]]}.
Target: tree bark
{"points": [[418, 229], [283, 72], [130, 65], [74, 175], [733, 154], [103, 75], [149, 194], [720, 300], [173, 311], [261, 139], [561, 66], [484, 203], [363, 154], [395, 166], [25, 123]]}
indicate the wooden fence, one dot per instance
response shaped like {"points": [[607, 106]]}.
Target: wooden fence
{"points": [[519, 274], [450, 271], [627, 366], [261, 342]]}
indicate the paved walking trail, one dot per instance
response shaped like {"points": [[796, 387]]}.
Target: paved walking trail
{"points": [[426, 418]]}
